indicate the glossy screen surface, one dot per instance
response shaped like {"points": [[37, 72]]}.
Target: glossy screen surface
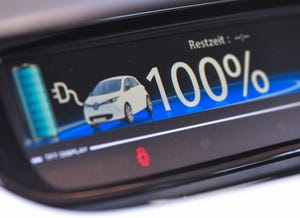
{"points": [[125, 109]]}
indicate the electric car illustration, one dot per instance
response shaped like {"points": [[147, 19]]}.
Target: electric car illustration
{"points": [[116, 98]]}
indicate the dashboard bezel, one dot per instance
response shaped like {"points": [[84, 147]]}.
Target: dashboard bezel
{"points": [[19, 176]]}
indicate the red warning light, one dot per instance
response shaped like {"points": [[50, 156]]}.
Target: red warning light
{"points": [[142, 157]]}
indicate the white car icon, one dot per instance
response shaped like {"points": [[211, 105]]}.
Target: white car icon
{"points": [[116, 98]]}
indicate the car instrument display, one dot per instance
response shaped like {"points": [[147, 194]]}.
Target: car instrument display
{"points": [[134, 106]]}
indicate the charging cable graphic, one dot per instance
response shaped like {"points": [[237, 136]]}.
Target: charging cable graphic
{"points": [[63, 94]]}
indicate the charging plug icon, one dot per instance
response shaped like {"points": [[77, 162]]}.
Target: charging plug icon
{"points": [[63, 94]]}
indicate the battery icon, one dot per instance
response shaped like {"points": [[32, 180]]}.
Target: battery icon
{"points": [[35, 101]]}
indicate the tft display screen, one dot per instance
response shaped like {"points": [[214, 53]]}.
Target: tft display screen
{"points": [[117, 110]]}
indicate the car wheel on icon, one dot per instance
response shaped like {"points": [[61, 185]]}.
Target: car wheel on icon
{"points": [[128, 113], [148, 104], [94, 126]]}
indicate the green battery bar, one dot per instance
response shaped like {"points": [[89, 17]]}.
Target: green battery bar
{"points": [[35, 101]]}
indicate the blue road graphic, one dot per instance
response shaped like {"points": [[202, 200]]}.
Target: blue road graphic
{"points": [[279, 86]]}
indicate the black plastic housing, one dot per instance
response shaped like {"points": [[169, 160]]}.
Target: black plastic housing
{"points": [[19, 176]]}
